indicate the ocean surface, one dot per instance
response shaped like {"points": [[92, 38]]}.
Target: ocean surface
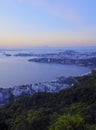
{"points": [[16, 71]]}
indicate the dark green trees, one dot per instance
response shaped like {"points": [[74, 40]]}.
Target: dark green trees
{"points": [[67, 122]]}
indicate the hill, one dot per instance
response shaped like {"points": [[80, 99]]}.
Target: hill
{"points": [[70, 109]]}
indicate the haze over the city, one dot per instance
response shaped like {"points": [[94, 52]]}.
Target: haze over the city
{"points": [[25, 23]]}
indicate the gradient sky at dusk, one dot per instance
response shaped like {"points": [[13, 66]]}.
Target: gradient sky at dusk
{"points": [[47, 22]]}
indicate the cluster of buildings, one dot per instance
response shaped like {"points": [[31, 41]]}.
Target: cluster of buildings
{"points": [[9, 94], [69, 54]]}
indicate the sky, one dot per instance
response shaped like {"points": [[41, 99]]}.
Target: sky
{"points": [[25, 23]]}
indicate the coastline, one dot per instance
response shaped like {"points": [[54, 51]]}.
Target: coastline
{"points": [[61, 83]]}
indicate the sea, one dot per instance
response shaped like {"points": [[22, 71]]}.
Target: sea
{"points": [[16, 71]]}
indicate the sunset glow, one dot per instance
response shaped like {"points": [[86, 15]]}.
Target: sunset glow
{"points": [[47, 22]]}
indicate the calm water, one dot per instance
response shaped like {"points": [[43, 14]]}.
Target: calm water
{"points": [[17, 71]]}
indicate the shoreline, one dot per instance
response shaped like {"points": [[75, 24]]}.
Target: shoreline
{"points": [[61, 83]]}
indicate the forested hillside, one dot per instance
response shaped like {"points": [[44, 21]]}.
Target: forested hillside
{"points": [[70, 109]]}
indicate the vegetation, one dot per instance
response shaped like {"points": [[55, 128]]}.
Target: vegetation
{"points": [[70, 109]]}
